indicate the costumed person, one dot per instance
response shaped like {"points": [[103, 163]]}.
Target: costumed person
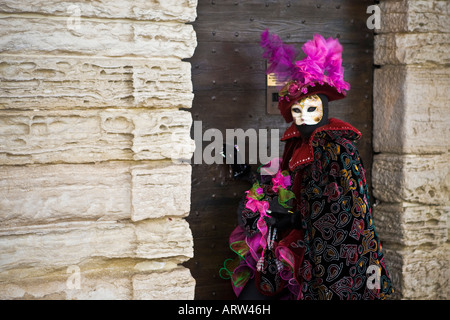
{"points": [[305, 228]]}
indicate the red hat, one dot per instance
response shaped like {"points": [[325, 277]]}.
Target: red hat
{"points": [[320, 72]]}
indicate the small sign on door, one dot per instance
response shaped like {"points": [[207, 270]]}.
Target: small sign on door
{"points": [[272, 88]]}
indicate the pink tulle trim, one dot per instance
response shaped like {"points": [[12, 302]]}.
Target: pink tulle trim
{"points": [[250, 249], [249, 261], [285, 255]]}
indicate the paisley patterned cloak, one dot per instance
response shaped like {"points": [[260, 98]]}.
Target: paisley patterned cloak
{"points": [[333, 252], [343, 256]]}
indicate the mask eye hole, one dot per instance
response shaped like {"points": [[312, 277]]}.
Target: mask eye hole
{"points": [[312, 109], [296, 110]]}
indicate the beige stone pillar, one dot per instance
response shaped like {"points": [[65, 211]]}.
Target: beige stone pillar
{"points": [[411, 172], [92, 193]]}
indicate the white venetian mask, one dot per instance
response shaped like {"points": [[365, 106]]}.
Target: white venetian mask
{"points": [[307, 111]]}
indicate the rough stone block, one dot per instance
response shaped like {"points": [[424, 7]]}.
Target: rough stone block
{"points": [[167, 81], [167, 10], [421, 179], [419, 273], [162, 191], [176, 284], [108, 191], [78, 136], [89, 94], [64, 82], [48, 288], [388, 109], [105, 37], [94, 279], [414, 16], [410, 109], [163, 238], [63, 244], [412, 48], [411, 224], [162, 135], [43, 194]]}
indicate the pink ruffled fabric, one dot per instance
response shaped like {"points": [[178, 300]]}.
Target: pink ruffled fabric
{"points": [[250, 248], [287, 251]]}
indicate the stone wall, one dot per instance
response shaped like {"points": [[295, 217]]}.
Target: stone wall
{"points": [[411, 174], [92, 203]]}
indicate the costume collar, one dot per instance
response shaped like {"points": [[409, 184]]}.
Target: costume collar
{"points": [[305, 154]]}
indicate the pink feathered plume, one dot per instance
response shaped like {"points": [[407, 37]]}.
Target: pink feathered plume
{"points": [[279, 56], [323, 61]]}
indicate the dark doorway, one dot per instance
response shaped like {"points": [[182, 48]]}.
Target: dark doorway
{"points": [[230, 92]]}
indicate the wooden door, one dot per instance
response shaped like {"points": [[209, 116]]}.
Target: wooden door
{"points": [[230, 92]]}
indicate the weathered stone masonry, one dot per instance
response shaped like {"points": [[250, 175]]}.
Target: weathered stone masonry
{"points": [[91, 204], [90, 120], [411, 174]]}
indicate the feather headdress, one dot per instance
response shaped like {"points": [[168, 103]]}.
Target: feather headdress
{"points": [[320, 71]]}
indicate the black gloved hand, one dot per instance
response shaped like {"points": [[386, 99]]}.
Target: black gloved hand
{"points": [[239, 170], [279, 220], [282, 218]]}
